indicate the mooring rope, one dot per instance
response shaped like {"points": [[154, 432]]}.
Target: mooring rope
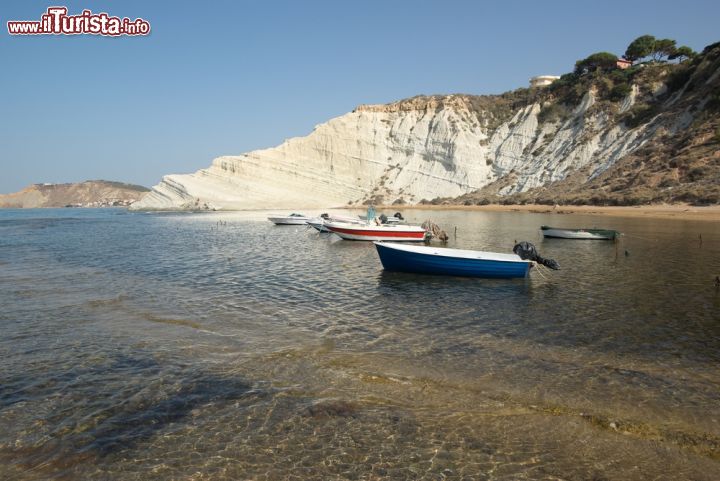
{"points": [[539, 268]]}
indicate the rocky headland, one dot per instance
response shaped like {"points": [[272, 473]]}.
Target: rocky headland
{"points": [[91, 193]]}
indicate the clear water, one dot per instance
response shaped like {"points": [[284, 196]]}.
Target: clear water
{"points": [[219, 346]]}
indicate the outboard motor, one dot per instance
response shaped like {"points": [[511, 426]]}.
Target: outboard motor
{"points": [[527, 251]]}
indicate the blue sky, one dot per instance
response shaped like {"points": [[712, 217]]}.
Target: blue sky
{"points": [[225, 77]]}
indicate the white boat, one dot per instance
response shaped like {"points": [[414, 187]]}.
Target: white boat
{"points": [[319, 222], [592, 234], [381, 232], [396, 218], [292, 219]]}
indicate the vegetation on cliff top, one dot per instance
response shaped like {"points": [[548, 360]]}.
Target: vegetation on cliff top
{"points": [[665, 81], [677, 165]]}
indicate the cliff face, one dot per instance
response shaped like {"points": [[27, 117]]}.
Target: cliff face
{"points": [[92, 193], [471, 147], [373, 151], [660, 143]]}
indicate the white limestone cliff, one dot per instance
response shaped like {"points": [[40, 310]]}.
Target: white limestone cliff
{"points": [[421, 148]]}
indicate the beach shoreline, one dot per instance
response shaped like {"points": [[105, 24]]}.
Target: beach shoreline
{"points": [[655, 211]]}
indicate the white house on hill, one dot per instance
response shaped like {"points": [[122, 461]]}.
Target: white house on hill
{"points": [[543, 80]]}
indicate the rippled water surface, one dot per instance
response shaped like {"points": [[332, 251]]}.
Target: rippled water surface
{"points": [[219, 346]]}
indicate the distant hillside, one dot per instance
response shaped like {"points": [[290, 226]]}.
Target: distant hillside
{"points": [[91, 193]]}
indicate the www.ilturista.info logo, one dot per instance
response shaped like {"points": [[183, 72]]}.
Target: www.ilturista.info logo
{"points": [[56, 21]]}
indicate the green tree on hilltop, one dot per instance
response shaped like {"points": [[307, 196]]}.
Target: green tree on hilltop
{"points": [[640, 47], [663, 48], [682, 53], [649, 46], [599, 60]]}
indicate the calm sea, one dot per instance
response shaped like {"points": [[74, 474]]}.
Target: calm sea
{"points": [[219, 346]]}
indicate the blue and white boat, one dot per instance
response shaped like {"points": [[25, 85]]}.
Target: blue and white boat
{"points": [[450, 262]]}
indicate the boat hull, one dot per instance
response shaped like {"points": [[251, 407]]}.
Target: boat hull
{"points": [[378, 233], [319, 223], [288, 220], [319, 226], [587, 234], [394, 259]]}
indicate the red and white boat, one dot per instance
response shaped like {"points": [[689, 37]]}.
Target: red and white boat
{"points": [[383, 232]]}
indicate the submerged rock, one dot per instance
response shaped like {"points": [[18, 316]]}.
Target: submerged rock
{"points": [[325, 408]]}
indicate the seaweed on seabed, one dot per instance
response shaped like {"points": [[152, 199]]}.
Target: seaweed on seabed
{"points": [[154, 396]]}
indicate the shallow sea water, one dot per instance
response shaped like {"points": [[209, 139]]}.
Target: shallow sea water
{"points": [[218, 346]]}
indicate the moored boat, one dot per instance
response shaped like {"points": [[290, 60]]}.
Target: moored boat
{"points": [[593, 234], [383, 232], [319, 222], [292, 219], [452, 262]]}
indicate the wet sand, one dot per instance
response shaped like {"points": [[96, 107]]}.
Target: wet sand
{"points": [[658, 211]]}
